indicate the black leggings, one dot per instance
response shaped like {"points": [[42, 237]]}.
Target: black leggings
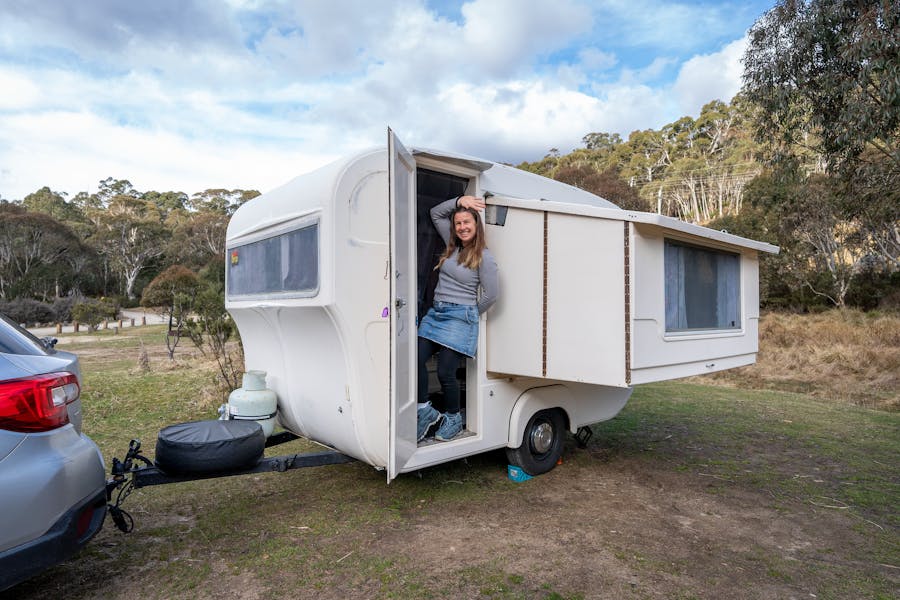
{"points": [[447, 363]]}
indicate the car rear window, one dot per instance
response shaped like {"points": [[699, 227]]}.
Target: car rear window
{"points": [[15, 340]]}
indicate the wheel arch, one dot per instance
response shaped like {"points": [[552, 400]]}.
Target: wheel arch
{"points": [[536, 399]]}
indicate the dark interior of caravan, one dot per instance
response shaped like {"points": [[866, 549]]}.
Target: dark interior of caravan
{"points": [[432, 188]]}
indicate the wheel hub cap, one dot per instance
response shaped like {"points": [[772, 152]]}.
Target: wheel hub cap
{"points": [[542, 438]]}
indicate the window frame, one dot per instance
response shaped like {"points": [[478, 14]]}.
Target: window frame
{"points": [[269, 234], [705, 332]]}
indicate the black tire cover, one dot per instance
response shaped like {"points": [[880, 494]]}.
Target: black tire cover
{"points": [[209, 446]]}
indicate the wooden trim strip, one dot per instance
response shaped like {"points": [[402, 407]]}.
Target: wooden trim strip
{"points": [[627, 302], [544, 307]]}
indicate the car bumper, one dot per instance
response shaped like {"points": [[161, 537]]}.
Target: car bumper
{"points": [[53, 496], [68, 535]]}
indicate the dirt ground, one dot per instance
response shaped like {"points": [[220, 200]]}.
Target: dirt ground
{"points": [[623, 530], [607, 523]]}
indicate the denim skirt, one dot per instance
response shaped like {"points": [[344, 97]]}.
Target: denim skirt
{"points": [[452, 325]]}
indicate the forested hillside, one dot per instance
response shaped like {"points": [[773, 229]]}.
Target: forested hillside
{"points": [[693, 169]]}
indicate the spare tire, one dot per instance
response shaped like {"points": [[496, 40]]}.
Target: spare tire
{"points": [[209, 447]]}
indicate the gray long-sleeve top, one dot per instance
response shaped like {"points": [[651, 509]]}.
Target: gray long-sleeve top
{"points": [[459, 284]]}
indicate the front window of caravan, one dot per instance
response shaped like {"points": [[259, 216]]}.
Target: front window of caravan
{"points": [[703, 288], [285, 264]]}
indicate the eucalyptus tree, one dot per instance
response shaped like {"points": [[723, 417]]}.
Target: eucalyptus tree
{"points": [[54, 204], [130, 234], [825, 78], [826, 75], [38, 254], [221, 200]]}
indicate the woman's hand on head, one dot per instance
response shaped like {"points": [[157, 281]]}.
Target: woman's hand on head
{"points": [[471, 202]]}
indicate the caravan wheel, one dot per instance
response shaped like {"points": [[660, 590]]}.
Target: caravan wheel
{"points": [[542, 444]]}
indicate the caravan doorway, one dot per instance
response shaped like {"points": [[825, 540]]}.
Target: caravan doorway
{"points": [[432, 188]]}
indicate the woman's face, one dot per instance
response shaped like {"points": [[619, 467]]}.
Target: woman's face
{"points": [[464, 225]]}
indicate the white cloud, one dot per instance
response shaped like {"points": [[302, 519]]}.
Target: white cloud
{"points": [[594, 59], [647, 73], [710, 77], [18, 91], [85, 149], [502, 35]]}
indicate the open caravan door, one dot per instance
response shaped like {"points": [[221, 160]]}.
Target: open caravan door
{"points": [[402, 177]]}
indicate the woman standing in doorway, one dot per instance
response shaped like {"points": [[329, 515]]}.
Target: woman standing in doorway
{"points": [[450, 327]]}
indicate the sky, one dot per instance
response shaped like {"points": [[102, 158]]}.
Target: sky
{"points": [[189, 95]]}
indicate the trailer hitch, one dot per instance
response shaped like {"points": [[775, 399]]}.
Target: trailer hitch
{"points": [[123, 480], [137, 471]]}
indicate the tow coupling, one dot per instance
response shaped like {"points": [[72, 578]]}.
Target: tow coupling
{"points": [[123, 480], [215, 457]]}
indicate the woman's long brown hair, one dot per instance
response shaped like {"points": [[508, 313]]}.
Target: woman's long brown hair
{"points": [[468, 256]]}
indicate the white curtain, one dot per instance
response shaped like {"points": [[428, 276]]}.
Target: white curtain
{"points": [[676, 309], [284, 263], [702, 288], [728, 291]]}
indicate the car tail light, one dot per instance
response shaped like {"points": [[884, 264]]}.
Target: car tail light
{"points": [[37, 403]]}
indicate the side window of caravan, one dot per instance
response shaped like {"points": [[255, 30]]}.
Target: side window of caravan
{"points": [[285, 264], [703, 288]]}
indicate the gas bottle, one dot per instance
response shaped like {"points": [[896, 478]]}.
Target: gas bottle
{"points": [[254, 402]]}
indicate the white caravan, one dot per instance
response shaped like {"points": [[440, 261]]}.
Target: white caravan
{"points": [[326, 274]]}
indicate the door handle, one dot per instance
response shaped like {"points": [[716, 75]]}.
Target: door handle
{"points": [[399, 303]]}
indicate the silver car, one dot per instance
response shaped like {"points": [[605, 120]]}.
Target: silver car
{"points": [[52, 476]]}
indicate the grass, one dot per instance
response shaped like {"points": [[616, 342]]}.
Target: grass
{"points": [[846, 356], [811, 463], [835, 451]]}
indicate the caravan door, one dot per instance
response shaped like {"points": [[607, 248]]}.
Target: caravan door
{"points": [[402, 177]]}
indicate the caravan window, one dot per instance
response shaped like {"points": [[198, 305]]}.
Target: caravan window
{"points": [[285, 264], [702, 288]]}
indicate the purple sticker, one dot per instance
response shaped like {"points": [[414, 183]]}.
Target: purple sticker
{"points": [[385, 313]]}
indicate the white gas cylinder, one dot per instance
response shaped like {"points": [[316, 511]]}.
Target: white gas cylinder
{"points": [[254, 402]]}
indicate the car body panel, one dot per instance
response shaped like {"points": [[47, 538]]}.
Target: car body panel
{"points": [[52, 483], [63, 539], [42, 478]]}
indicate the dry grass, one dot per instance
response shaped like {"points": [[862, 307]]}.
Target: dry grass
{"points": [[844, 355]]}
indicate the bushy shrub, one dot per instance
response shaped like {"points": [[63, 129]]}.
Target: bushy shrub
{"points": [[891, 301], [211, 329], [122, 301], [171, 290], [873, 288], [27, 310], [62, 308], [92, 312]]}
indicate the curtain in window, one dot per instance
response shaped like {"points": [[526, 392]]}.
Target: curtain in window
{"points": [[702, 288], [727, 288], [288, 263], [676, 309]]}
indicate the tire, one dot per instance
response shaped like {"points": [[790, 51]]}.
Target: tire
{"points": [[204, 447], [542, 444]]}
